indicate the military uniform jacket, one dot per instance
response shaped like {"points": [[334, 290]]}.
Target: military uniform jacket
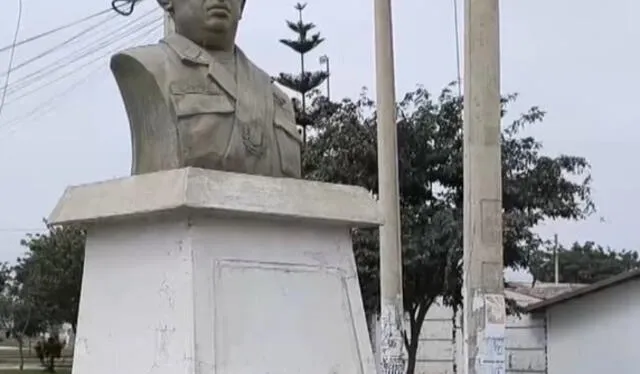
{"points": [[187, 109]]}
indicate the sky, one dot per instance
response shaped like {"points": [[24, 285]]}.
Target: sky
{"points": [[573, 58]]}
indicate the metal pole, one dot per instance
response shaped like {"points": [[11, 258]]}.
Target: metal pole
{"points": [[556, 260], [328, 79], [392, 356], [483, 288], [324, 60]]}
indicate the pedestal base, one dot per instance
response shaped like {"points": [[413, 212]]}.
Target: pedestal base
{"points": [[190, 292]]}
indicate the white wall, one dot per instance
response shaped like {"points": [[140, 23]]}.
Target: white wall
{"points": [[597, 333], [437, 351]]}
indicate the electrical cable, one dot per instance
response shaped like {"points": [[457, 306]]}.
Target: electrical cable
{"points": [[45, 107], [100, 57], [64, 61], [127, 43], [19, 230], [53, 31], [117, 4], [457, 37], [68, 60], [11, 56], [58, 46]]}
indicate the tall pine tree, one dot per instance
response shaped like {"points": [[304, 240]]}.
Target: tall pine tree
{"points": [[305, 81]]}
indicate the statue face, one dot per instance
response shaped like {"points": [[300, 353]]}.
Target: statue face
{"points": [[210, 23]]}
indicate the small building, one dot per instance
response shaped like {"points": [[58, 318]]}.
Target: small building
{"points": [[440, 347], [592, 329]]}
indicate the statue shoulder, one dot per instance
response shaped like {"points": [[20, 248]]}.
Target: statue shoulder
{"points": [[141, 74], [150, 59], [282, 99]]}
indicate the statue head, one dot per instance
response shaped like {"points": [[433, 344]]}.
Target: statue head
{"points": [[212, 24]]}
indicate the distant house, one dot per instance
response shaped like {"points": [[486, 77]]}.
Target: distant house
{"points": [[440, 349], [592, 330], [64, 333]]}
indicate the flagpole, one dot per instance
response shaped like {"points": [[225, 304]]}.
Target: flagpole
{"points": [[392, 358]]}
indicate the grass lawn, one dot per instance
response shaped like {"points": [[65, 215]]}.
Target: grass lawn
{"points": [[10, 357]]}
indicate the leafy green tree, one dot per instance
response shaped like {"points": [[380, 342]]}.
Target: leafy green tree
{"points": [[536, 187], [582, 263], [52, 272], [52, 350], [305, 81], [19, 316]]}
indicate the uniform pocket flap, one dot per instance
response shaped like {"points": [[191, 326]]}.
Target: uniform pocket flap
{"points": [[287, 126], [189, 104]]}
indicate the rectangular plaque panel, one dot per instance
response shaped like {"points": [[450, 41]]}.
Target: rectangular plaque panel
{"points": [[491, 222], [283, 318]]}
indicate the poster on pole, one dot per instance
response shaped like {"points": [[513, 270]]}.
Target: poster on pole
{"points": [[495, 316], [493, 360]]}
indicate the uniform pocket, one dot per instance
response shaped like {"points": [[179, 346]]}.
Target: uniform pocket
{"points": [[192, 104], [205, 122], [289, 143]]}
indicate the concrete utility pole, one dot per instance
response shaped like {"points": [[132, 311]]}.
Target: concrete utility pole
{"points": [[391, 311], [483, 290], [556, 261]]}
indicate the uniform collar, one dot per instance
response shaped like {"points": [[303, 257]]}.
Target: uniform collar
{"points": [[187, 49]]}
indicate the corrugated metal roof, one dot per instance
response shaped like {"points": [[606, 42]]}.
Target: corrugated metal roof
{"points": [[582, 291], [541, 290]]}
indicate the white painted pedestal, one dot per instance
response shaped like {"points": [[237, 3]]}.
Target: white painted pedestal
{"points": [[195, 271]]}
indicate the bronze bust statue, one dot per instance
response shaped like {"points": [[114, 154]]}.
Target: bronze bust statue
{"points": [[194, 99]]}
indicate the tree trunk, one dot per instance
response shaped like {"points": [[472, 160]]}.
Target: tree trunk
{"points": [[412, 351], [52, 362], [416, 320], [21, 351]]}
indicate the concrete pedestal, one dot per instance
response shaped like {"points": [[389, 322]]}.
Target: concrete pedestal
{"points": [[192, 271]]}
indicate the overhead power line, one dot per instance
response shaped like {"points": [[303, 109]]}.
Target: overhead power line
{"points": [[101, 42], [13, 51], [53, 31], [119, 6], [118, 37], [21, 230], [457, 38], [58, 46], [48, 105]]}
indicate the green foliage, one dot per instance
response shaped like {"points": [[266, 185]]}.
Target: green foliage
{"points": [[306, 81], [19, 316], [52, 350], [535, 187], [43, 289], [582, 263], [51, 271]]}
